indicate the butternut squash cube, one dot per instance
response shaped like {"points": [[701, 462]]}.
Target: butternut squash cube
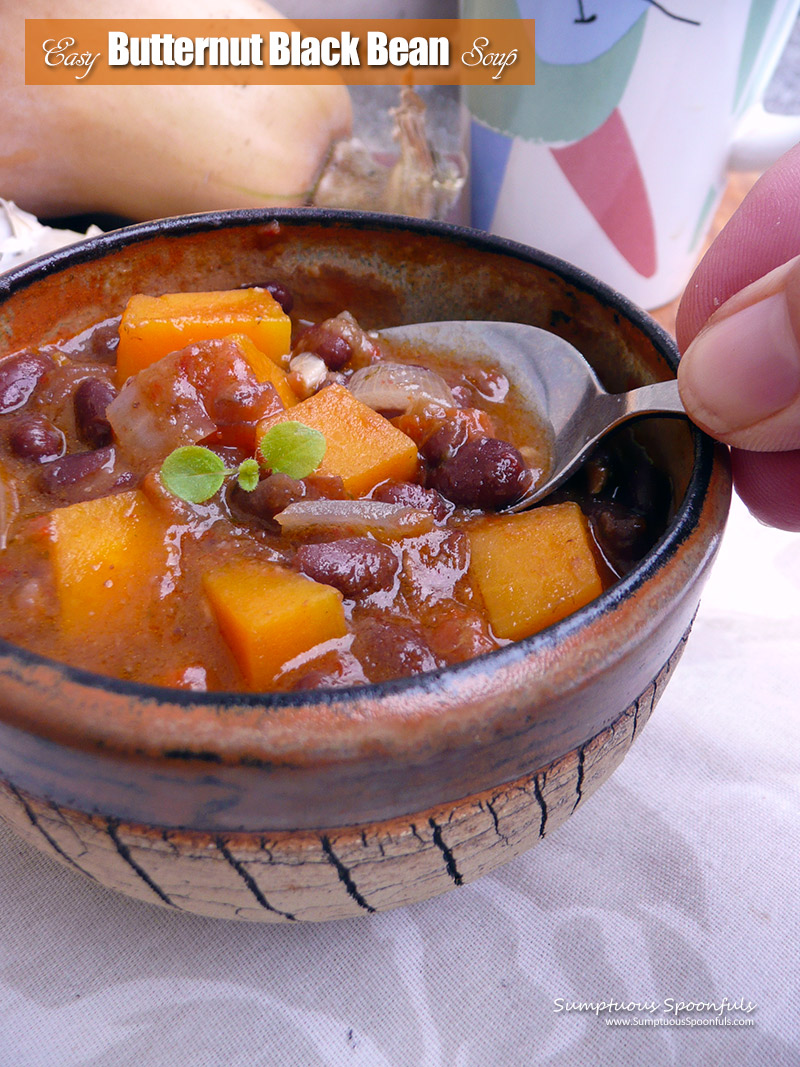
{"points": [[269, 614], [364, 448], [534, 568], [107, 557], [154, 326], [266, 370]]}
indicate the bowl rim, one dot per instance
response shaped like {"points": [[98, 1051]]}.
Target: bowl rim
{"points": [[678, 530]]}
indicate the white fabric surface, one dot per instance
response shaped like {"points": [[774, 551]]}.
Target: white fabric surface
{"points": [[677, 881]]}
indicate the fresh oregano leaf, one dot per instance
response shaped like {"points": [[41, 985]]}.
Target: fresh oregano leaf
{"points": [[248, 474], [193, 473], [293, 448]]}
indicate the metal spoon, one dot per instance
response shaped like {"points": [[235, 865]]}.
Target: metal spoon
{"points": [[554, 379]]}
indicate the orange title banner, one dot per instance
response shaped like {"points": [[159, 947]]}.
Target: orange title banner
{"points": [[279, 51]]}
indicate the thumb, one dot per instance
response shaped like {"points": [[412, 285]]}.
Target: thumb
{"points": [[739, 379]]}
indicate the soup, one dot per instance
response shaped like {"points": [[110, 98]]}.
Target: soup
{"points": [[208, 493]]}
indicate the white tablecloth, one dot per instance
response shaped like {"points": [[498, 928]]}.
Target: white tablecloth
{"points": [[677, 883]]}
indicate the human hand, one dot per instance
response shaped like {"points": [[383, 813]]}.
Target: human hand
{"points": [[738, 327]]}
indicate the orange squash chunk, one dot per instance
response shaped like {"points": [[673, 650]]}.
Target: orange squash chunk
{"points": [[363, 447], [108, 555], [269, 614], [534, 568], [265, 370], [154, 326]]}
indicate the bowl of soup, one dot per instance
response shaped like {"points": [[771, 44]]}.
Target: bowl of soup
{"points": [[272, 646]]}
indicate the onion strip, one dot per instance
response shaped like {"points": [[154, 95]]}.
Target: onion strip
{"points": [[388, 521], [399, 387], [9, 506]]}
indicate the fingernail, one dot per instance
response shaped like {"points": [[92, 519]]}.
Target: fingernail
{"points": [[742, 368]]}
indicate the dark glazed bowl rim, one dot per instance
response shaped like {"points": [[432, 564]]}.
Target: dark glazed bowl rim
{"points": [[682, 524]]}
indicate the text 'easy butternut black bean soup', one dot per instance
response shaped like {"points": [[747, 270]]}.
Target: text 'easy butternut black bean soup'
{"points": [[209, 494]]}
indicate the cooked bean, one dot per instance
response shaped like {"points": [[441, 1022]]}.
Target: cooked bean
{"points": [[462, 424], [335, 351], [411, 495], [391, 650], [624, 535], [244, 402], [35, 437], [444, 442], [356, 566], [484, 473], [281, 294], [278, 291], [457, 632], [19, 376], [271, 495], [76, 468], [319, 678], [90, 402], [331, 347], [332, 671], [325, 487], [434, 565], [98, 344]]}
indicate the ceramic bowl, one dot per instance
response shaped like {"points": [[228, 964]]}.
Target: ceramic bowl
{"points": [[324, 805]]}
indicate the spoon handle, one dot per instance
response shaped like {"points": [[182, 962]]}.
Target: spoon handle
{"points": [[610, 409], [602, 413], [662, 396]]}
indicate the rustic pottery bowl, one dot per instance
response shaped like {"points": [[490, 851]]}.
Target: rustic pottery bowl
{"points": [[323, 805]]}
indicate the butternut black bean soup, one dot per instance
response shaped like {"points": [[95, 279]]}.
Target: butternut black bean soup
{"points": [[210, 494]]}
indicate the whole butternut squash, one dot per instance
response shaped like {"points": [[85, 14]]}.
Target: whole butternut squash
{"points": [[147, 151]]}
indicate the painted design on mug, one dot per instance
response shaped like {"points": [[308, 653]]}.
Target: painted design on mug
{"points": [[757, 25], [585, 55], [604, 171]]}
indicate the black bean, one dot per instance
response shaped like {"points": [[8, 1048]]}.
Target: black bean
{"points": [[278, 291], [389, 650], [90, 402], [319, 678], [77, 468], [484, 473], [281, 294], [35, 437], [623, 535], [334, 350], [326, 342], [244, 401], [444, 442], [19, 376], [325, 487], [356, 566], [271, 495], [411, 495], [98, 344]]}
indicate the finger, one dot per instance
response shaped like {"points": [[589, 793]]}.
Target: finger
{"points": [[740, 376], [762, 234], [769, 484]]}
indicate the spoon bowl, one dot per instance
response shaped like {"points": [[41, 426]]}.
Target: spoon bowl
{"points": [[555, 381]]}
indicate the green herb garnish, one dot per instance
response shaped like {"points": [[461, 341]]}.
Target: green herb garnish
{"points": [[248, 473], [293, 448], [195, 473]]}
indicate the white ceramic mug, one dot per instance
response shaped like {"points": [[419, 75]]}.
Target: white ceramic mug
{"points": [[616, 158]]}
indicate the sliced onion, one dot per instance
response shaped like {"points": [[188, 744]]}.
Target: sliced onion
{"points": [[159, 409], [390, 521], [399, 388], [9, 506]]}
